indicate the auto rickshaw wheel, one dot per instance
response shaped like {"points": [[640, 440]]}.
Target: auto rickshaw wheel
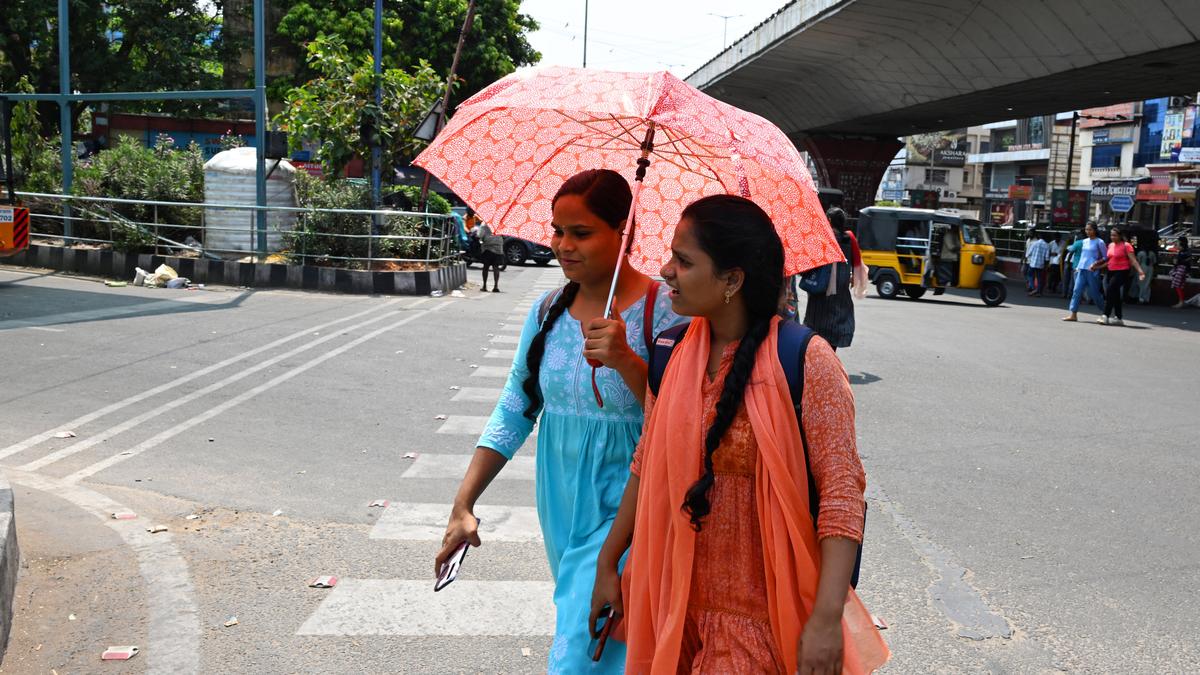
{"points": [[887, 287], [993, 293], [914, 292]]}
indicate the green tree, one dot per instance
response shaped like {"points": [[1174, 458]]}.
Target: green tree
{"points": [[415, 31], [117, 45], [337, 108]]}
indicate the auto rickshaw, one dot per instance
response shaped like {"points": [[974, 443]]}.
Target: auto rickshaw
{"points": [[918, 250]]}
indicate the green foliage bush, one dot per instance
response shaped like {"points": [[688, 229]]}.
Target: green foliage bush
{"points": [[309, 241]]}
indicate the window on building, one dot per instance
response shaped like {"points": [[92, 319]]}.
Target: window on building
{"points": [[1106, 156], [985, 147], [967, 177], [937, 176]]}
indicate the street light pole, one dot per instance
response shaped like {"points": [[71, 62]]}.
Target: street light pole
{"points": [[376, 151], [725, 28], [585, 31]]}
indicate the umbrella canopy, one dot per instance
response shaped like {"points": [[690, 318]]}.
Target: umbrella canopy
{"points": [[508, 149]]}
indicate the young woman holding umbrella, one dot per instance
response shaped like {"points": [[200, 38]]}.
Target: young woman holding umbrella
{"points": [[727, 573], [583, 449]]}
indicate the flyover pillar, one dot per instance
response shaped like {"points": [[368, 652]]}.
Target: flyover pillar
{"points": [[853, 164]]}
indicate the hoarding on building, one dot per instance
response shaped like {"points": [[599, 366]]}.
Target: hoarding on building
{"points": [[923, 199], [1069, 207], [1172, 136], [938, 148], [1020, 192], [1105, 190]]}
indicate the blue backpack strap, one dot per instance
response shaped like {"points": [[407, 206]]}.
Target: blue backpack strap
{"points": [[664, 346]]}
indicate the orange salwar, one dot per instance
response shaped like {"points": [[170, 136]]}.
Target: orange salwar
{"points": [[727, 624]]}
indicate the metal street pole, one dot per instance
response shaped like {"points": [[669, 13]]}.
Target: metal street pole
{"points": [[64, 112], [1071, 152], [725, 29], [260, 126], [585, 31], [441, 115], [376, 151]]}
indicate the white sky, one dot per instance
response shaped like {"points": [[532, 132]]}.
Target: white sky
{"points": [[675, 35]]}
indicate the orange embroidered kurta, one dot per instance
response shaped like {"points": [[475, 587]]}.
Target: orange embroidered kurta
{"points": [[728, 621]]}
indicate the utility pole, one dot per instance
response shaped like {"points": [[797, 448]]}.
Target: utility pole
{"points": [[725, 28], [376, 151], [64, 112], [585, 31], [441, 115]]}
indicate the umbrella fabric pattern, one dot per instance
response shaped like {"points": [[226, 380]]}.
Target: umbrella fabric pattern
{"points": [[508, 149]]}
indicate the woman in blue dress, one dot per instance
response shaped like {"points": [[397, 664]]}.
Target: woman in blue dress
{"points": [[583, 449]]}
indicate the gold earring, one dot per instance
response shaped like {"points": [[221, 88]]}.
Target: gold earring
{"points": [[728, 296]]}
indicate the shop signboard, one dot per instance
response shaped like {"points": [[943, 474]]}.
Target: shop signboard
{"points": [[1107, 189], [1020, 192], [1069, 207], [1185, 181], [938, 148], [1121, 203], [1172, 135], [1154, 192], [1189, 155]]}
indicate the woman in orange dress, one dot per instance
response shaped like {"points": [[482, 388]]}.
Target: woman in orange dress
{"points": [[727, 573]]}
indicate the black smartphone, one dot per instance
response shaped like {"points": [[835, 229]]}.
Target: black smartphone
{"points": [[606, 624], [450, 568]]}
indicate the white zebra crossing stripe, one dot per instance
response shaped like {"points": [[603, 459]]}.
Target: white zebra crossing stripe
{"points": [[506, 339], [468, 425], [500, 354], [491, 371], [477, 395], [521, 467], [411, 608], [427, 522]]}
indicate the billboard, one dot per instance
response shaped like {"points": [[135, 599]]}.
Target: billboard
{"points": [[1172, 135], [1069, 207], [937, 148]]}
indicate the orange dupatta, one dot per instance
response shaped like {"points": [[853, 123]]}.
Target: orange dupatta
{"points": [[658, 576]]}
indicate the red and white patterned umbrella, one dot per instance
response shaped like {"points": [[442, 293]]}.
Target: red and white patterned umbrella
{"points": [[508, 149]]}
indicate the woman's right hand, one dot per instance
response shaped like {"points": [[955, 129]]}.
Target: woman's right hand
{"points": [[463, 526], [605, 593]]}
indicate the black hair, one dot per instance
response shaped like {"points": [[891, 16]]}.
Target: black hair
{"points": [[1184, 244], [605, 193], [837, 219], [736, 233]]}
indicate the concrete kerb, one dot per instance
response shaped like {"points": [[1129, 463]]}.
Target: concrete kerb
{"points": [[121, 266], [10, 562]]}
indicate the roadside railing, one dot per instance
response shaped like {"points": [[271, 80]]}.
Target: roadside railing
{"points": [[348, 238]]}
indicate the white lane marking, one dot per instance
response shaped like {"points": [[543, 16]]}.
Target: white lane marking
{"points": [[491, 371], [469, 425], [92, 441], [517, 317], [500, 354], [47, 329], [505, 339], [242, 398], [511, 328], [173, 627], [427, 522], [111, 312], [411, 608], [521, 467], [183, 379], [478, 394]]}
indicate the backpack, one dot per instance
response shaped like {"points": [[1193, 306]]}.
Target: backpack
{"points": [[792, 345]]}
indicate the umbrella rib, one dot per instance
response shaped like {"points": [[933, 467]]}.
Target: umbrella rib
{"points": [[675, 144], [591, 122]]}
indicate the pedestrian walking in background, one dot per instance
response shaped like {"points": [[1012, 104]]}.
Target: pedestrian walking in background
{"points": [[727, 572], [1054, 268], [1121, 258], [1030, 237], [1147, 256], [493, 255], [1179, 273], [1037, 256], [583, 451], [832, 315], [1092, 252], [1070, 254]]}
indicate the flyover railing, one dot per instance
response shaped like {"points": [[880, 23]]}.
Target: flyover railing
{"points": [[349, 238]]}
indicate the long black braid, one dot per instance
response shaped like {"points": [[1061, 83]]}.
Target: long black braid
{"points": [[735, 233], [537, 347], [606, 194]]}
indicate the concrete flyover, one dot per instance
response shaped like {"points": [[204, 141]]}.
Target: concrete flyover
{"points": [[839, 75]]}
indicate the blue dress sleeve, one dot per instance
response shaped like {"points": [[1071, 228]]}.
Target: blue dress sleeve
{"points": [[508, 426]]}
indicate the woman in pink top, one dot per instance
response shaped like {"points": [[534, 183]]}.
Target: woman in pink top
{"points": [[1120, 258]]}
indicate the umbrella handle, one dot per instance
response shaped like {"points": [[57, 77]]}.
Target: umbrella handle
{"points": [[643, 163]]}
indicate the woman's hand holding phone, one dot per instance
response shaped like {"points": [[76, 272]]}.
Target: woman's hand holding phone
{"points": [[606, 595], [463, 526]]}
